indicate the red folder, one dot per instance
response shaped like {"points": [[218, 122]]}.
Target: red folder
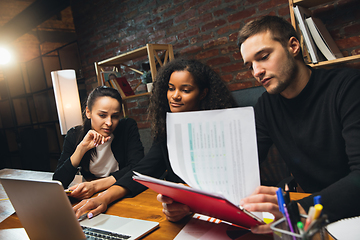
{"points": [[201, 202]]}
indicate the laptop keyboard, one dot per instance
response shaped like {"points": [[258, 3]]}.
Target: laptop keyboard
{"points": [[97, 234]]}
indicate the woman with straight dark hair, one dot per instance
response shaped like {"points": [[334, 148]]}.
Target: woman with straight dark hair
{"points": [[104, 148]]}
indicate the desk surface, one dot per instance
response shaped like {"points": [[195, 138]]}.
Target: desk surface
{"points": [[144, 206]]}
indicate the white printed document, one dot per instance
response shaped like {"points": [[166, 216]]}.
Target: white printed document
{"points": [[215, 151]]}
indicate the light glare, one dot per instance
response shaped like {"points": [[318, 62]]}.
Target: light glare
{"points": [[5, 56]]}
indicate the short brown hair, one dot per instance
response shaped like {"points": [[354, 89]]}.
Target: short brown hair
{"points": [[280, 29]]}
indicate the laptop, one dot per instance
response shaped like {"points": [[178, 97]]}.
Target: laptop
{"points": [[46, 213]]}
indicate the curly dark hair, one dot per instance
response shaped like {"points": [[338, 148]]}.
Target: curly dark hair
{"points": [[217, 97]]}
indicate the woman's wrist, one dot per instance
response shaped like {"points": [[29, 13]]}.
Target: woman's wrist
{"points": [[103, 183], [115, 192]]}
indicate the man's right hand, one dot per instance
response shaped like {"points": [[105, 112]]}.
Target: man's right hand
{"points": [[173, 211]]}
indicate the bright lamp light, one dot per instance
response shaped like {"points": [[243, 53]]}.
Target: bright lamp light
{"points": [[5, 56], [67, 99]]}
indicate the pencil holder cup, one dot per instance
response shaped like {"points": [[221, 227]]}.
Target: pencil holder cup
{"points": [[316, 231]]}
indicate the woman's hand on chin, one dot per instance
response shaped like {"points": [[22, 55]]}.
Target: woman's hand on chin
{"points": [[93, 139]]}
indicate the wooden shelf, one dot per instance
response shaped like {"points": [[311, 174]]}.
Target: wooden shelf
{"points": [[309, 4], [151, 51], [125, 57], [336, 61]]}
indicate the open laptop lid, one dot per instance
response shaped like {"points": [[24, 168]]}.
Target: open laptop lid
{"points": [[43, 209]]}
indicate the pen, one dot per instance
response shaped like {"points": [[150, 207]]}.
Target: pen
{"points": [[294, 214], [300, 226], [280, 199], [309, 218], [317, 200], [318, 208], [283, 209], [83, 217]]}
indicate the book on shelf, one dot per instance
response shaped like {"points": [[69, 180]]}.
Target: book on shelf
{"points": [[323, 39], [215, 153], [301, 14], [105, 76], [114, 80], [123, 84]]}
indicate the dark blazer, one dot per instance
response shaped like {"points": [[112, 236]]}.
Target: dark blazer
{"points": [[126, 147], [155, 164]]}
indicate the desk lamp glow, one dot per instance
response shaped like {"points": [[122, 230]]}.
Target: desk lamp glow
{"points": [[5, 56], [67, 99]]}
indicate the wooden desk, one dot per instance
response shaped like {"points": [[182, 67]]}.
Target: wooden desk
{"points": [[144, 206]]}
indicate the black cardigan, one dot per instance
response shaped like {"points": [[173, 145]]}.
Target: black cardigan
{"points": [[155, 164], [126, 147], [317, 134]]}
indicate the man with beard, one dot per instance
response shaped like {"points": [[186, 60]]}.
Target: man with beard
{"points": [[311, 115]]}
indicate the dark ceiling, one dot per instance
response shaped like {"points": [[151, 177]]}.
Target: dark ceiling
{"points": [[35, 14]]}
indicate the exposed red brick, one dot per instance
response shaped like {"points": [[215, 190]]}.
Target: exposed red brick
{"points": [[213, 25], [216, 42], [185, 16], [241, 15], [141, 18], [348, 42], [112, 45], [218, 61], [180, 45], [128, 39], [161, 8], [207, 36], [209, 6], [352, 30], [131, 104], [284, 11], [157, 35], [173, 11], [142, 125], [152, 21], [188, 33], [168, 40], [227, 78], [229, 49], [176, 29], [234, 37], [239, 85], [271, 4], [244, 75], [207, 54], [200, 20], [191, 49], [144, 32], [220, 12], [232, 67], [233, 27], [192, 3]]}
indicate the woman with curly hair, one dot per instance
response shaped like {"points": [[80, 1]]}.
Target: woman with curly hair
{"points": [[181, 85]]}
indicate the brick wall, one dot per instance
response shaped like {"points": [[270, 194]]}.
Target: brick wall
{"points": [[202, 29]]}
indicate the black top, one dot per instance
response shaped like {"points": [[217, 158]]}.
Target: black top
{"points": [[317, 134], [126, 147], [154, 164]]}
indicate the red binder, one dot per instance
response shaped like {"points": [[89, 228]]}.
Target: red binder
{"points": [[125, 87], [201, 202]]}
